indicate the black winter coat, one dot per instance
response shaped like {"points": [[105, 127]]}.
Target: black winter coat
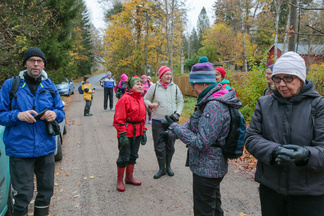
{"points": [[279, 121]]}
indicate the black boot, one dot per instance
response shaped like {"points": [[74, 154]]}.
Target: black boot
{"points": [[41, 211], [86, 111], [168, 165], [20, 213], [162, 171]]}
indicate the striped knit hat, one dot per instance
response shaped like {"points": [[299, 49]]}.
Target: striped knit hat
{"points": [[162, 70], [202, 73]]}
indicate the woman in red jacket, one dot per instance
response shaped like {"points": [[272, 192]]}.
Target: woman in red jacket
{"points": [[129, 121]]}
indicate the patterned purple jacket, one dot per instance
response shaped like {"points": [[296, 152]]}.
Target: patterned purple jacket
{"points": [[208, 125]]}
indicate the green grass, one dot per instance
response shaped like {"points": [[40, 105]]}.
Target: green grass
{"points": [[188, 108]]}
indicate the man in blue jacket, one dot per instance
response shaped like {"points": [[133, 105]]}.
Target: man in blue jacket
{"points": [[30, 148], [108, 83]]}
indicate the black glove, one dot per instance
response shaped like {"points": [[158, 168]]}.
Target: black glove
{"points": [[164, 136], [175, 117], [299, 154], [281, 156], [123, 140], [166, 123], [144, 138]]}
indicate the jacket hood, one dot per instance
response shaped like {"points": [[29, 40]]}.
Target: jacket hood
{"points": [[307, 91], [43, 74], [225, 81], [222, 95]]}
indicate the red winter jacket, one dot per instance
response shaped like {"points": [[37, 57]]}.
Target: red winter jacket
{"points": [[130, 108]]}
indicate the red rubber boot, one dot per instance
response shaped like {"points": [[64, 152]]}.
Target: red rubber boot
{"points": [[120, 179], [129, 175]]}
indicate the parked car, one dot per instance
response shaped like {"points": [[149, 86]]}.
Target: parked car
{"points": [[66, 87], [59, 141], [6, 191]]}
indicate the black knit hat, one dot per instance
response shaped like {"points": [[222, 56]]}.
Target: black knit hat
{"points": [[85, 78], [34, 51]]}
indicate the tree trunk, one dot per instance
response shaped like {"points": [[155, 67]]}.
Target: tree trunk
{"points": [[293, 21], [244, 46], [277, 6]]}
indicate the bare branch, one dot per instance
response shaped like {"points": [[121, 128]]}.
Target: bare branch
{"points": [[314, 29], [303, 7]]}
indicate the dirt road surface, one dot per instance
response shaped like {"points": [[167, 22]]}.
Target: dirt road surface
{"points": [[85, 180]]}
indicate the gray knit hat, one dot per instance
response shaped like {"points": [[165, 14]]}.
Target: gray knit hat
{"points": [[33, 51], [108, 73]]}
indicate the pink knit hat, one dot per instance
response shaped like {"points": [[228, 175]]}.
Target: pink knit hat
{"points": [[162, 70], [123, 77], [143, 76], [221, 70]]}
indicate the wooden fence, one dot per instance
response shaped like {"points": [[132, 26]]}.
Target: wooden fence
{"points": [[184, 85]]}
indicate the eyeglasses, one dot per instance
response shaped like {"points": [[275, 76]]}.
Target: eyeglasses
{"points": [[287, 79], [39, 61], [192, 85]]}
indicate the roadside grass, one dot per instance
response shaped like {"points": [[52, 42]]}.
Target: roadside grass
{"points": [[188, 108]]}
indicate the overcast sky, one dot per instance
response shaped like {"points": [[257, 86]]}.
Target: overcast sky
{"points": [[194, 7]]}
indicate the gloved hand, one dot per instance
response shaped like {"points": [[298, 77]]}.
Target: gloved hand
{"points": [[166, 123], [123, 140], [299, 153], [164, 136], [144, 138], [281, 156], [175, 117]]}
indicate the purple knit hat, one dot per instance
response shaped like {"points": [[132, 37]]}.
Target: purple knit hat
{"points": [[202, 73]]}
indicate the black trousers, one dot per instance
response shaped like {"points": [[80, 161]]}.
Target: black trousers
{"points": [[128, 154], [163, 148], [22, 178], [88, 103], [275, 204], [207, 197], [108, 92]]}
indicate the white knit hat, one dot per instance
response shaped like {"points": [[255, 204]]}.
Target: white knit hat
{"points": [[290, 63]]}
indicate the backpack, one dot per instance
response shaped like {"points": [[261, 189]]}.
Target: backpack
{"points": [[14, 87], [80, 89], [234, 145], [233, 148]]}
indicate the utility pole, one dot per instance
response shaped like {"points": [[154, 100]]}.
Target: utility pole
{"points": [[293, 22]]}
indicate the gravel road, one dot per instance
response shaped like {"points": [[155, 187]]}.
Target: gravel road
{"points": [[85, 180]]}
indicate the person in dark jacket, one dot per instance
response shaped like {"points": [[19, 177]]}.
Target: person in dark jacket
{"points": [[108, 83], [129, 121], [30, 148], [269, 89], [208, 125], [286, 135]]}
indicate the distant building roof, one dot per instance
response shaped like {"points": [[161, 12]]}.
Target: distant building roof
{"points": [[303, 49]]}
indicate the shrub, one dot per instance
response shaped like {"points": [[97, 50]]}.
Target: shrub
{"points": [[316, 74], [250, 90]]}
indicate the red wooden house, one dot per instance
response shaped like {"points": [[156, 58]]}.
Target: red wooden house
{"points": [[312, 54]]}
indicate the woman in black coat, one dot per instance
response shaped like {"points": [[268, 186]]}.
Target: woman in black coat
{"points": [[286, 135]]}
